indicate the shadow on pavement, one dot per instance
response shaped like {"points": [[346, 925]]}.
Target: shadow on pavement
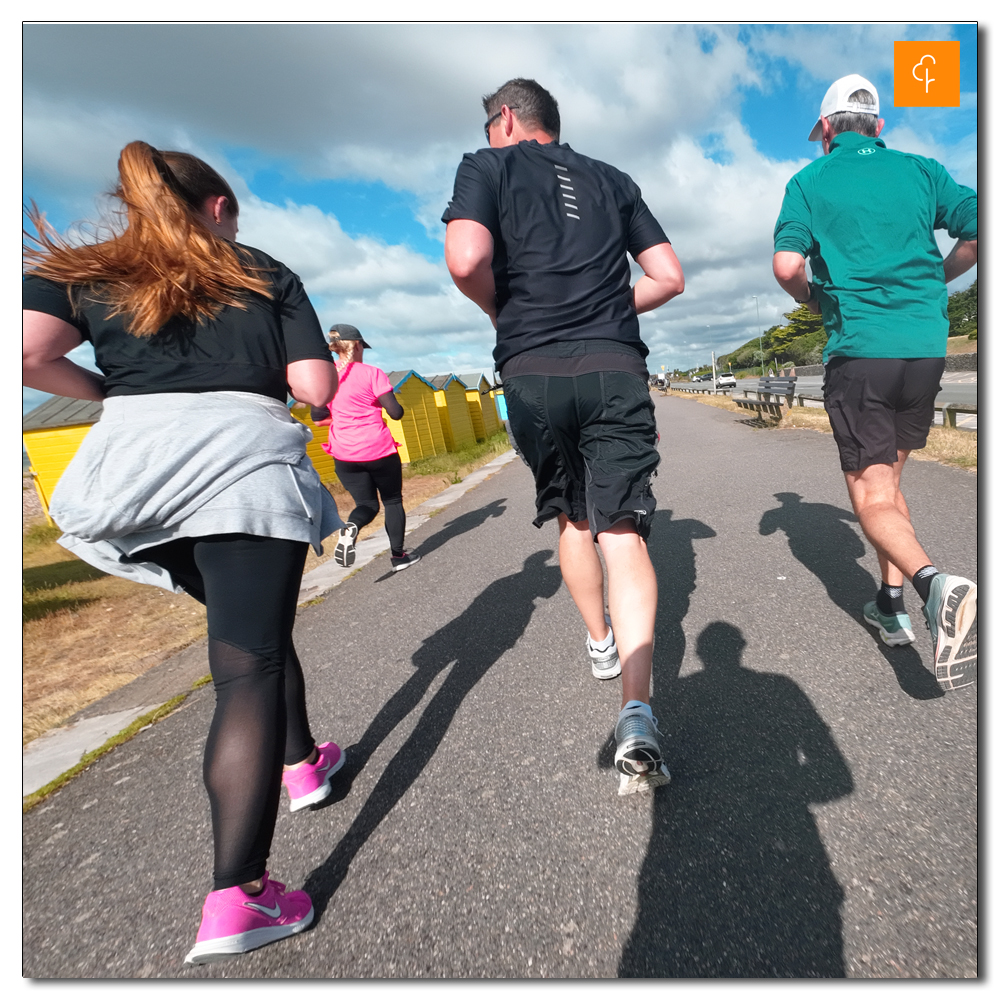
{"points": [[820, 538], [736, 881], [457, 526], [460, 525], [470, 644]]}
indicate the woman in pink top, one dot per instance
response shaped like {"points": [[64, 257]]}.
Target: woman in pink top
{"points": [[363, 449]]}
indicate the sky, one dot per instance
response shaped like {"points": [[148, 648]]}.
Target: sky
{"points": [[341, 142]]}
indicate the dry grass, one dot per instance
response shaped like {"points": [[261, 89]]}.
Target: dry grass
{"points": [[947, 445], [86, 634], [962, 345]]}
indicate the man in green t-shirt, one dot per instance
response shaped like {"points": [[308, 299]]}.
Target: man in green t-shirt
{"points": [[865, 217]]}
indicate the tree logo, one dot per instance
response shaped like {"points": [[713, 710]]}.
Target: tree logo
{"points": [[926, 74]]}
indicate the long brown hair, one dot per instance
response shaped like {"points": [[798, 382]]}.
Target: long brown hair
{"points": [[165, 262]]}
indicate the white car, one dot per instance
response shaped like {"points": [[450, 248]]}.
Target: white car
{"points": [[726, 380]]}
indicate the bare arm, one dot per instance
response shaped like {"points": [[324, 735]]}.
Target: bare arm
{"points": [[312, 381], [662, 280], [963, 255], [46, 341], [790, 272], [468, 254], [391, 405]]}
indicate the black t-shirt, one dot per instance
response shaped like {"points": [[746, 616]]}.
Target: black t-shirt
{"points": [[244, 350], [561, 224]]}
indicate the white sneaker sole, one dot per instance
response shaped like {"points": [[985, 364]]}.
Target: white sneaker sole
{"points": [[901, 638], [956, 652], [318, 794], [237, 944], [643, 784], [344, 554]]}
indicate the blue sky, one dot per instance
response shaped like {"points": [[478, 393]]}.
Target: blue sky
{"points": [[343, 165]]}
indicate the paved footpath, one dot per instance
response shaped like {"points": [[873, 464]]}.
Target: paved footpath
{"points": [[821, 821]]}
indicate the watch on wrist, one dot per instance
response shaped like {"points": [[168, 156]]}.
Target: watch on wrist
{"points": [[812, 295]]}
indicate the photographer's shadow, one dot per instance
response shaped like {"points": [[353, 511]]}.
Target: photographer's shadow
{"points": [[736, 882], [820, 537], [469, 645]]}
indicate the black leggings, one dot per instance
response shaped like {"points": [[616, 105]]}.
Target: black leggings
{"points": [[249, 585], [361, 479]]}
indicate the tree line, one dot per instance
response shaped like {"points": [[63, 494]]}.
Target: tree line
{"points": [[801, 339]]}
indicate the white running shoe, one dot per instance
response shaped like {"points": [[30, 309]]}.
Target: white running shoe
{"points": [[604, 664]]}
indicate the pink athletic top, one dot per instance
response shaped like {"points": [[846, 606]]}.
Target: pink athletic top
{"points": [[357, 431]]}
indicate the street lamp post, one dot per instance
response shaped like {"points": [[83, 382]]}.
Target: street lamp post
{"points": [[760, 337]]}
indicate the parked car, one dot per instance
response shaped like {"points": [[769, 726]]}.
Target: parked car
{"points": [[702, 378], [726, 380]]}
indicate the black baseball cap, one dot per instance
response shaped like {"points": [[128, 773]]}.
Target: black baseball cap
{"points": [[344, 331]]}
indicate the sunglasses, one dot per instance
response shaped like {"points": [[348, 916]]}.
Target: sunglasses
{"points": [[493, 118]]}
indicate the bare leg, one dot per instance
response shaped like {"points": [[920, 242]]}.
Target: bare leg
{"points": [[632, 597], [885, 519], [583, 574]]}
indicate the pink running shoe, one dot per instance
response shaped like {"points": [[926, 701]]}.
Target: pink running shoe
{"points": [[233, 922], [308, 784]]}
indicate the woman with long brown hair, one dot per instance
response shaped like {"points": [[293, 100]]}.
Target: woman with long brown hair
{"points": [[196, 479]]}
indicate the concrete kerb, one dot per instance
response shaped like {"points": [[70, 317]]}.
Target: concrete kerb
{"points": [[59, 750]]}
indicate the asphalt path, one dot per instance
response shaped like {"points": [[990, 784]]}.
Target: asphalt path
{"points": [[821, 821]]}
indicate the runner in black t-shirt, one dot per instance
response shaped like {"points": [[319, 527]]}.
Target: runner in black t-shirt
{"points": [[538, 237]]}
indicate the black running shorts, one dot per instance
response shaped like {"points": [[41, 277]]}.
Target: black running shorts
{"points": [[590, 441], [878, 406]]}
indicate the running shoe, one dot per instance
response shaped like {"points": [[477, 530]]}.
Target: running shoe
{"points": [[604, 664], [233, 922], [638, 753], [401, 562], [343, 553], [951, 615], [896, 630], [308, 784]]}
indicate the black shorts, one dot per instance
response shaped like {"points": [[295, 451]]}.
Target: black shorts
{"points": [[590, 441], [878, 406]]}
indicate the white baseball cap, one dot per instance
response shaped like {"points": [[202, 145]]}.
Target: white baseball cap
{"points": [[836, 99]]}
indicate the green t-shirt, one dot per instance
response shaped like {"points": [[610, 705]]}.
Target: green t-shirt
{"points": [[865, 217]]}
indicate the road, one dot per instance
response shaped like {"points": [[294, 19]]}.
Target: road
{"points": [[821, 822]]}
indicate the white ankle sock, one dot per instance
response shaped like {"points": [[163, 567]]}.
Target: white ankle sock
{"points": [[604, 645]]}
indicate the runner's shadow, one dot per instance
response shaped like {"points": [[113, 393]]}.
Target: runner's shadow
{"points": [[454, 528], [820, 537], [460, 525], [469, 644], [736, 882], [671, 550]]}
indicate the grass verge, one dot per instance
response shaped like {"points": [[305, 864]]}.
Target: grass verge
{"points": [[35, 798], [947, 445]]}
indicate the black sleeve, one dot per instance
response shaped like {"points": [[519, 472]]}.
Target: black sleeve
{"points": [[300, 325], [44, 296], [474, 196], [391, 405], [318, 413], [643, 231]]}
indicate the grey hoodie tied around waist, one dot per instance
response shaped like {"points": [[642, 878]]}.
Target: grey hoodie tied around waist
{"points": [[172, 465]]}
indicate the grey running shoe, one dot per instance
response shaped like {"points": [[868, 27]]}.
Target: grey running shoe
{"points": [[638, 753], [604, 664], [343, 553], [405, 561], [896, 630], [951, 613]]}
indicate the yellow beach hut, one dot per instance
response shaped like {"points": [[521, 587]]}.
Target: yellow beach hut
{"points": [[322, 462], [51, 433], [419, 433], [482, 409], [453, 409]]}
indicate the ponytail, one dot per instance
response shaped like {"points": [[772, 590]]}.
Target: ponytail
{"points": [[166, 263]]}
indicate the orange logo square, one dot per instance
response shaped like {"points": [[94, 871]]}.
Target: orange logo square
{"points": [[926, 74]]}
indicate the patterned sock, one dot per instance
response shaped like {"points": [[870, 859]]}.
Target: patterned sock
{"points": [[922, 581], [890, 600]]}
